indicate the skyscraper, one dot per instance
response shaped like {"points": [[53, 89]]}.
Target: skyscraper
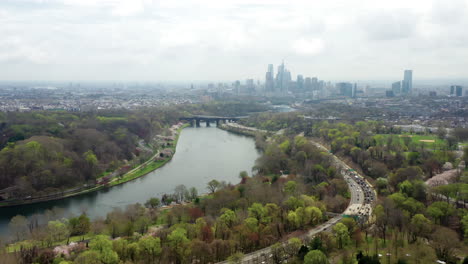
{"points": [[308, 84], [459, 90], [269, 80], [345, 88], [300, 82], [396, 87], [283, 77], [407, 84], [315, 84], [456, 90]]}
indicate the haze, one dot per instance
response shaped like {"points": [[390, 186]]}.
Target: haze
{"points": [[228, 40]]}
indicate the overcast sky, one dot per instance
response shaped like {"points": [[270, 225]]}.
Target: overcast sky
{"points": [[183, 40]]}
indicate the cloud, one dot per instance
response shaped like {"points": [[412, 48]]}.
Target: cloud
{"points": [[309, 47], [228, 39], [390, 24]]}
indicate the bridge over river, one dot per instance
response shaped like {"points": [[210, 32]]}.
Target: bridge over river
{"points": [[196, 119]]}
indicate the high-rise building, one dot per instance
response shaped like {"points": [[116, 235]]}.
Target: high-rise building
{"points": [[315, 85], [269, 79], [456, 90], [459, 90], [396, 87], [250, 86], [283, 78], [345, 88], [308, 84], [300, 82], [354, 90], [407, 84]]}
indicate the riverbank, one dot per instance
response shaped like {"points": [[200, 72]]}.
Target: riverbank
{"points": [[242, 130], [141, 170]]}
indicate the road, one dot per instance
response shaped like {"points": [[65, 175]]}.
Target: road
{"points": [[362, 196]]}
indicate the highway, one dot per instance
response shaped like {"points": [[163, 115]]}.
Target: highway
{"points": [[362, 196]]}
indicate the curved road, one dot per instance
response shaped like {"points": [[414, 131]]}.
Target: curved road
{"points": [[362, 196]]}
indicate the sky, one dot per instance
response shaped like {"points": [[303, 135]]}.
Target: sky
{"points": [[225, 40]]}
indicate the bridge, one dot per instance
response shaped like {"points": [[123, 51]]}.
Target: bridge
{"points": [[196, 119]]}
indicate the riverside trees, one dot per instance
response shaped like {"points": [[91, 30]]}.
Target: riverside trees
{"points": [[45, 153]]}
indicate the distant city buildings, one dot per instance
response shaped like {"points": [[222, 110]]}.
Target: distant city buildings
{"points": [[396, 87], [456, 90], [345, 89], [407, 83], [283, 83]]}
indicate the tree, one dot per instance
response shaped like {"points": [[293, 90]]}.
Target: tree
{"points": [[236, 258], [315, 257], [420, 226], [341, 232], [88, 257], [259, 212], [19, 225], [151, 248], [440, 211], [152, 203], [102, 245], [444, 241], [179, 192], [290, 187], [464, 222], [441, 132], [277, 251], [79, 225], [193, 193], [228, 218], [213, 185], [178, 241], [57, 231], [293, 246]]}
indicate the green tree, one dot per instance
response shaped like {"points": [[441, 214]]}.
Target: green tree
{"points": [[178, 242], [213, 185], [420, 226], [342, 234], [151, 248], [152, 203], [236, 258], [315, 257], [228, 218], [259, 212]]}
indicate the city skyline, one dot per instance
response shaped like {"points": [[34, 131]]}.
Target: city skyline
{"points": [[230, 40]]}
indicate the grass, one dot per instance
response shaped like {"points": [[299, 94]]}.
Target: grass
{"points": [[15, 247], [111, 118], [151, 166], [416, 139]]}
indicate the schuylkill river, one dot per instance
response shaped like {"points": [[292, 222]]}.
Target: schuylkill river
{"points": [[202, 154]]}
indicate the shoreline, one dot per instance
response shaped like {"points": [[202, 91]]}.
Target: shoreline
{"points": [[241, 130], [139, 172]]}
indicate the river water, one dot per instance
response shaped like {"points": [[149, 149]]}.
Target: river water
{"points": [[202, 154]]}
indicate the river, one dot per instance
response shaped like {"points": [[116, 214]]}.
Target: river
{"points": [[202, 154]]}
